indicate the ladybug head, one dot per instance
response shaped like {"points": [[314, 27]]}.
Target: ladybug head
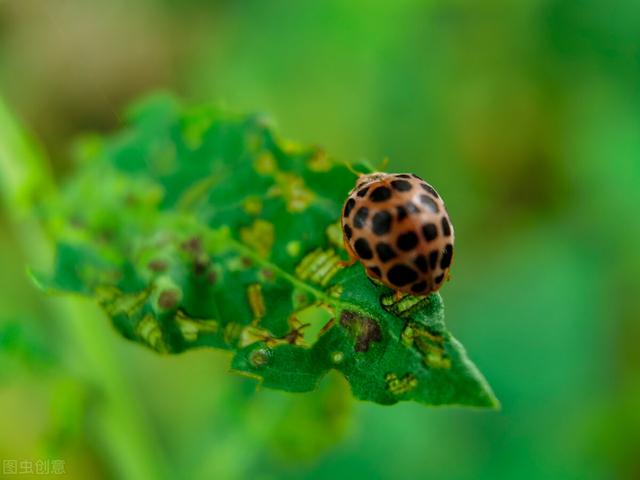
{"points": [[371, 177]]}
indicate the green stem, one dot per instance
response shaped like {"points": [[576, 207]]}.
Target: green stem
{"points": [[123, 432]]}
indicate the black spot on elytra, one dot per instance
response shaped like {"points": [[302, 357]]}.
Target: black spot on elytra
{"points": [[365, 329], [419, 287], [433, 259], [407, 241], [401, 275], [429, 189], [446, 228], [348, 232], [412, 207], [402, 212], [360, 217], [380, 194], [447, 253], [401, 185], [381, 222], [421, 263], [363, 249], [376, 271], [403, 175], [348, 207], [429, 231], [363, 191], [430, 203], [385, 252], [439, 278], [416, 176]]}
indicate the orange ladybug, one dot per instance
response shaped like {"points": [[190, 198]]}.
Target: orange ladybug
{"points": [[398, 227]]}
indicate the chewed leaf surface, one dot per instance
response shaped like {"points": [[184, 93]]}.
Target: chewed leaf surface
{"points": [[196, 228]]}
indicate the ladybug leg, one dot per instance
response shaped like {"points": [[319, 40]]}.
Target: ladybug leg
{"points": [[347, 263], [398, 295], [353, 258]]}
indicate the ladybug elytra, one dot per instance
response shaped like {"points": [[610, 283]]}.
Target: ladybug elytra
{"points": [[399, 229]]}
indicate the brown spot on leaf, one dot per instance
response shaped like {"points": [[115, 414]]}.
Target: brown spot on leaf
{"points": [[192, 245], [157, 265], [365, 329], [200, 265], [168, 299], [327, 326], [295, 336]]}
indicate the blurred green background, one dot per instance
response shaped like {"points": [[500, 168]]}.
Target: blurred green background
{"points": [[524, 114]]}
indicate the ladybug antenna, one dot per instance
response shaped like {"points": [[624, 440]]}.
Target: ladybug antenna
{"points": [[353, 170], [384, 163]]}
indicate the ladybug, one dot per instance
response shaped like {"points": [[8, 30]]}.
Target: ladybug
{"points": [[399, 229]]}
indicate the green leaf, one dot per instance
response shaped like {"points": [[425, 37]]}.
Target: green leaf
{"points": [[197, 228]]}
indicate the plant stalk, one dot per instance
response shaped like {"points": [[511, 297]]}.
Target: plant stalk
{"points": [[122, 430]]}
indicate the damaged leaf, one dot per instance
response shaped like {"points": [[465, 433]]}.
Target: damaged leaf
{"points": [[195, 228]]}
